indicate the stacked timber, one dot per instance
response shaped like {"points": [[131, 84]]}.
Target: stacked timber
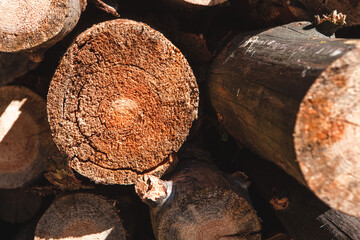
{"points": [[121, 106], [290, 95]]}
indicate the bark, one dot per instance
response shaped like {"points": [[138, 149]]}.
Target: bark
{"points": [[25, 139], [199, 202], [17, 205], [291, 95], [80, 216], [121, 102], [270, 12], [302, 214], [33, 26]]}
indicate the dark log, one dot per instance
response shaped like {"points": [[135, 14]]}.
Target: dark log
{"points": [[18, 205], [25, 139], [33, 26], [80, 216], [197, 201], [270, 12], [14, 65], [121, 102], [290, 95], [302, 214]]}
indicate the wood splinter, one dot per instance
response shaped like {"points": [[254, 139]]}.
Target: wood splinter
{"points": [[199, 202]]}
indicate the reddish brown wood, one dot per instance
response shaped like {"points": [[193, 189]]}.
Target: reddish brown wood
{"points": [[121, 101], [197, 201]]}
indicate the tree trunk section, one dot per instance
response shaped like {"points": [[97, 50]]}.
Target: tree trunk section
{"points": [[199, 202], [291, 95], [25, 139], [35, 25], [80, 216], [302, 214], [121, 102]]}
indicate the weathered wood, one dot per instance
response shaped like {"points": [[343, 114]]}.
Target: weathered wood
{"points": [[121, 101], [270, 12], [197, 201], [80, 216], [290, 90], [302, 214], [33, 26], [25, 139], [17, 205]]}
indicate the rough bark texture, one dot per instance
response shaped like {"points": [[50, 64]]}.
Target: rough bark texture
{"points": [[25, 139], [257, 84], [17, 205], [302, 214], [121, 101], [199, 202], [34, 25], [80, 216]]}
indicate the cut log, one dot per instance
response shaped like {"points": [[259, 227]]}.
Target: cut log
{"points": [[35, 25], [302, 214], [80, 216], [291, 95], [25, 139], [199, 202], [17, 205], [121, 102]]}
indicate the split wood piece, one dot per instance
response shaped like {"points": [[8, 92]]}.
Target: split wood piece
{"points": [[296, 206], [291, 95], [17, 205], [13, 65], [121, 102], [80, 216], [25, 139], [199, 202], [33, 26]]}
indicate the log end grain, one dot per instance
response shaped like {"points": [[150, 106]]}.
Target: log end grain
{"points": [[25, 139], [80, 216], [326, 134], [121, 101], [25, 25]]}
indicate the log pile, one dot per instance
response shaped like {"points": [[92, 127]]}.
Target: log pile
{"points": [[148, 119]]}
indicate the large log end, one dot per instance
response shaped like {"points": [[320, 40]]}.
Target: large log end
{"points": [[326, 134]]}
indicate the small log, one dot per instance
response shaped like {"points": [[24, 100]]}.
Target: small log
{"points": [[121, 101], [302, 214], [25, 139], [199, 202], [33, 26], [290, 95], [80, 216], [17, 205]]}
